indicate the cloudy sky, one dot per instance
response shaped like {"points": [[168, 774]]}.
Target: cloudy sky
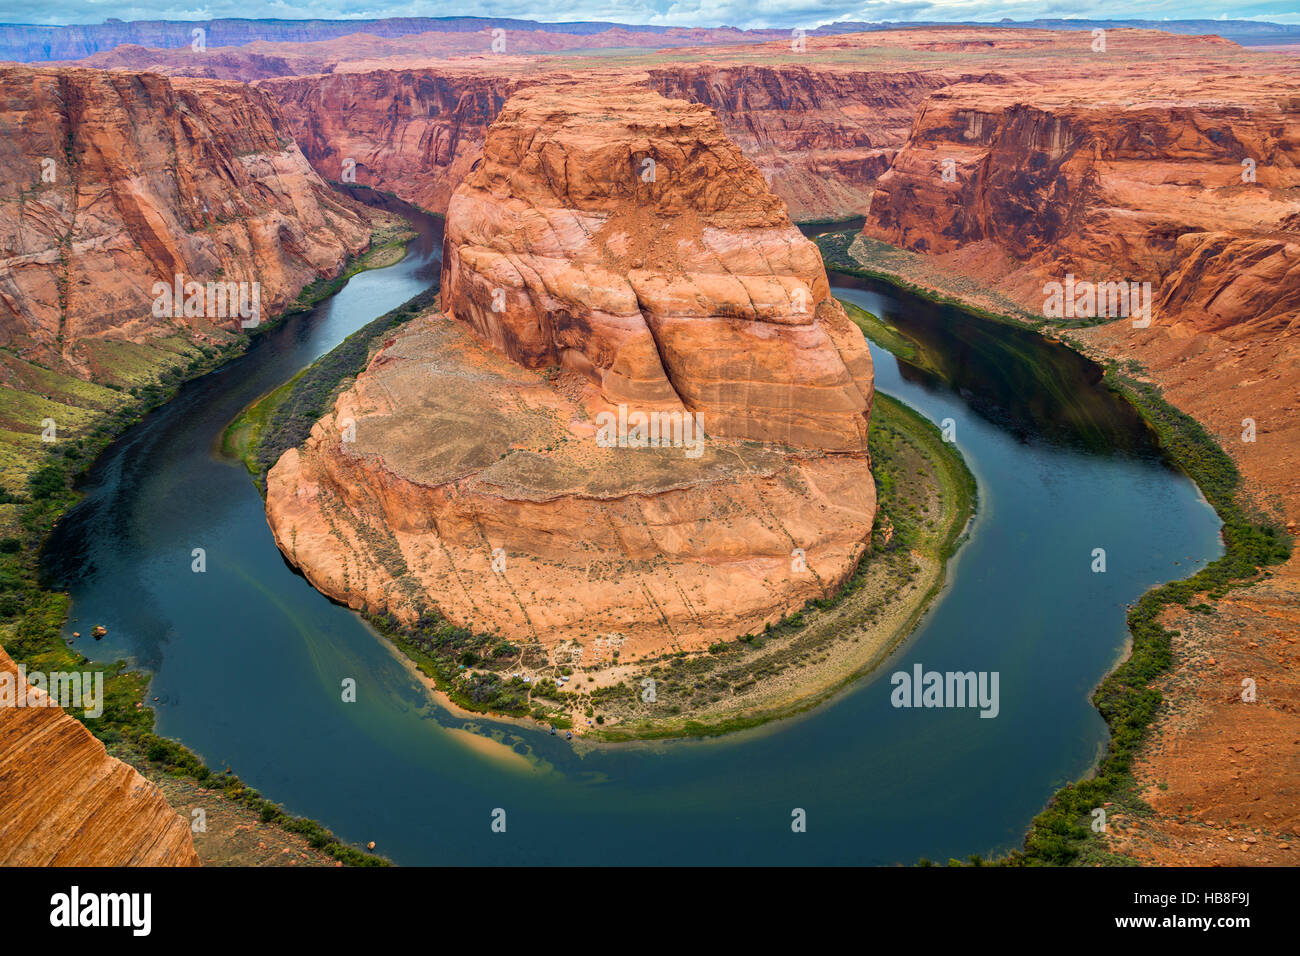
{"points": [[742, 13]]}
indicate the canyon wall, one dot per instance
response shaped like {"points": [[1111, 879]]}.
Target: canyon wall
{"points": [[115, 182], [120, 180], [611, 257], [65, 802], [1184, 175], [1187, 184], [414, 133], [821, 137], [822, 124]]}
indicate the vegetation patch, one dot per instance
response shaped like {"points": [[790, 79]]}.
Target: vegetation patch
{"points": [[283, 418], [925, 497], [1127, 698], [880, 332]]}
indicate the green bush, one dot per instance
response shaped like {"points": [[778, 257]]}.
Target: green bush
{"points": [[313, 392], [1125, 698], [47, 481]]}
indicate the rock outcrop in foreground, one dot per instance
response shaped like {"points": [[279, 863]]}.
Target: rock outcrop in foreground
{"points": [[613, 256], [65, 802]]}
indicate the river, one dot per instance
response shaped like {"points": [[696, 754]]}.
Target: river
{"points": [[248, 658]]}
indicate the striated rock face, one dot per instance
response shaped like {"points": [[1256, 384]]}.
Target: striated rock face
{"points": [[820, 137], [478, 488], [117, 181], [415, 133], [1133, 184], [477, 481], [646, 253], [821, 124], [65, 802]]}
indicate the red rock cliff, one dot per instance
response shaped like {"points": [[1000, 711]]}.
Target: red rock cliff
{"points": [[415, 133], [647, 253], [65, 802], [117, 181], [821, 124], [821, 137], [1136, 182]]}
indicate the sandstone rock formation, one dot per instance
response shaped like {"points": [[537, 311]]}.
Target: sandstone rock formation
{"points": [[1065, 159], [821, 124], [415, 133], [642, 250], [1187, 183], [820, 136], [65, 802], [118, 181], [577, 281]]}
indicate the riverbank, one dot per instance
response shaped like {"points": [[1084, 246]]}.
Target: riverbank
{"points": [[282, 418], [1130, 699], [926, 499], [32, 616]]}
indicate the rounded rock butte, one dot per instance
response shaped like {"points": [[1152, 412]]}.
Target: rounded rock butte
{"points": [[611, 255]]}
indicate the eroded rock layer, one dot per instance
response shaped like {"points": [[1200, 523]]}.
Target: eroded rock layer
{"points": [[820, 135], [645, 252], [1187, 183], [477, 487], [117, 181], [414, 133], [470, 467], [65, 802], [822, 120]]}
